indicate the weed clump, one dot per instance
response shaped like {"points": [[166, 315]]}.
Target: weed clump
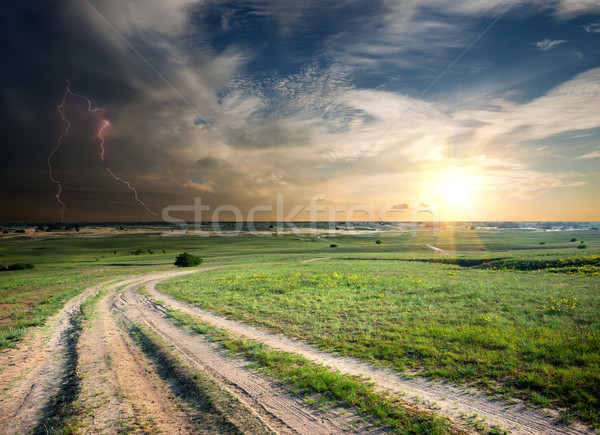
{"points": [[187, 260], [563, 305]]}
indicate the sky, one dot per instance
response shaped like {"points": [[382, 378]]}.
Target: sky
{"points": [[148, 110]]}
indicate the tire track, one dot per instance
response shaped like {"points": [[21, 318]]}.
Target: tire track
{"points": [[281, 412], [39, 377], [120, 392], [46, 382]]}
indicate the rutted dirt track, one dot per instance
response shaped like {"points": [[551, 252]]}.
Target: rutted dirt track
{"points": [[92, 373], [33, 375], [113, 387]]}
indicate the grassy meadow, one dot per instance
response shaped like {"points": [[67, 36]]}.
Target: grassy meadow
{"points": [[515, 313], [512, 317]]}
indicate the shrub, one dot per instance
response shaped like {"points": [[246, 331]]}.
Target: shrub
{"points": [[333, 245], [16, 266], [542, 243], [574, 239], [187, 260], [581, 246], [379, 241], [138, 252]]}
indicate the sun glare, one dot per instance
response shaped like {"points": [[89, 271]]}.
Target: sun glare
{"points": [[456, 190]]}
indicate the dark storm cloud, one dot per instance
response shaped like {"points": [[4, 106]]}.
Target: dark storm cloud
{"points": [[45, 42], [42, 43]]}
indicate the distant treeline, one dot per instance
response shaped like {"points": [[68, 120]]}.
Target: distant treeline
{"points": [[66, 226]]}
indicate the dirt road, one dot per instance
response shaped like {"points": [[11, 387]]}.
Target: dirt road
{"points": [[436, 249], [123, 366], [88, 373]]}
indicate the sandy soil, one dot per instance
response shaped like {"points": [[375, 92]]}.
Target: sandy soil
{"points": [[119, 388], [436, 249], [316, 259]]}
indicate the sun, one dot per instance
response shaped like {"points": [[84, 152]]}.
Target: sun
{"points": [[456, 190]]}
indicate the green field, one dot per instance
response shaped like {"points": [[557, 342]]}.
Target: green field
{"points": [[516, 313]]}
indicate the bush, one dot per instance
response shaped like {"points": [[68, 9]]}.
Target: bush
{"points": [[379, 241], [581, 246], [542, 243], [16, 266], [333, 245], [20, 266], [187, 260], [574, 239]]}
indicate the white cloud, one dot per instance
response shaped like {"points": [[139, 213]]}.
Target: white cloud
{"points": [[549, 44], [568, 107], [592, 27], [165, 17], [592, 155], [573, 8], [208, 186]]}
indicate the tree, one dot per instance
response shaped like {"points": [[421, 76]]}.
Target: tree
{"points": [[379, 241], [187, 260]]}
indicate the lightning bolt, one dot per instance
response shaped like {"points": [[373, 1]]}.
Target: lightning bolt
{"points": [[58, 145], [101, 137], [102, 140], [130, 187]]}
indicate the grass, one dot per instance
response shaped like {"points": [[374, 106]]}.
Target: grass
{"points": [[29, 297], [302, 374], [492, 327], [64, 267], [483, 317]]}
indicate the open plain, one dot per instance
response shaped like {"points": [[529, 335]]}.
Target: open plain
{"points": [[491, 332]]}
